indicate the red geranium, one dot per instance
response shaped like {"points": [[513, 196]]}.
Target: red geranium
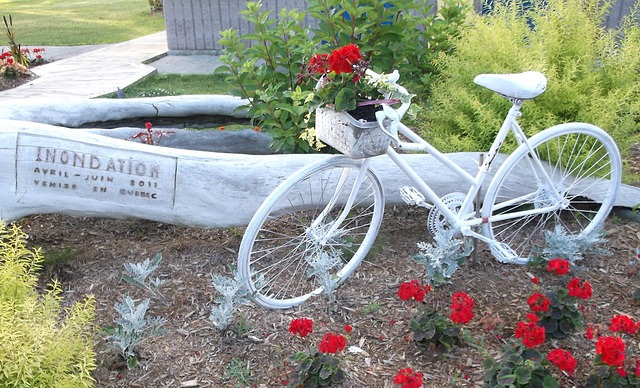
{"points": [[318, 64], [538, 302], [623, 323], [303, 326], [412, 290], [579, 289], [563, 360], [341, 60], [462, 306], [611, 349], [408, 378], [559, 266], [332, 343], [531, 334]]}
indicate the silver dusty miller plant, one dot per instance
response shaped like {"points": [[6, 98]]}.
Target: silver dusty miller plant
{"points": [[132, 328], [138, 273], [234, 294], [443, 257], [559, 244], [321, 265]]}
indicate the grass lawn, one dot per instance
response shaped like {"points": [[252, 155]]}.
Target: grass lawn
{"points": [[177, 84], [79, 22]]}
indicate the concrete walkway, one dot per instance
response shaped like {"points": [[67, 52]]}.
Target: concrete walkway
{"points": [[91, 71], [96, 70]]}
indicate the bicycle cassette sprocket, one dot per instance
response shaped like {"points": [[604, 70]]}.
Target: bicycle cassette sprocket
{"points": [[436, 221]]}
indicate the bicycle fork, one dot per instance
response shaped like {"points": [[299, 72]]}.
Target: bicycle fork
{"points": [[322, 240]]}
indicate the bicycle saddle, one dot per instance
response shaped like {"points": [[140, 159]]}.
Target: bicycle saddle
{"points": [[524, 86]]}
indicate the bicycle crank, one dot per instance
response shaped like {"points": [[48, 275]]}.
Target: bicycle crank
{"points": [[436, 221]]}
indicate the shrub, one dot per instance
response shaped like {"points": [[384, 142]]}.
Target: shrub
{"points": [[591, 71], [265, 63], [41, 343], [403, 35], [132, 328]]}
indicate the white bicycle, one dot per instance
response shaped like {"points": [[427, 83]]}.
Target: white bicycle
{"points": [[568, 174]]}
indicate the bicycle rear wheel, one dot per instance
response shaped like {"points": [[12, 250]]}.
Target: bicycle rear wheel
{"points": [[584, 166], [297, 221]]}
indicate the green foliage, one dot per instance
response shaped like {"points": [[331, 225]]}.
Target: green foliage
{"points": [[59, 256], [563, 317], [320, 268], [372, 307], [560, 245], [234, 294], [315, 370], [41, 343], [17, 54], [430, 328], [443, 258], [138, 273], [266, 62], [519, 367], [406, 36], [266, 70], [591, 71], [156, 5], [240, 371], [607, 376], [132, 328]]}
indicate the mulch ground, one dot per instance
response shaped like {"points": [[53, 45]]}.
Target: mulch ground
{"points": [[194, 353]]}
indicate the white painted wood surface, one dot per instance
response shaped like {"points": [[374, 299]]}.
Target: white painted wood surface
{"points": [[49, 169]]}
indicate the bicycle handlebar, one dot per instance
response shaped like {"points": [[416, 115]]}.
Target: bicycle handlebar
{"points": [[395, 115]]}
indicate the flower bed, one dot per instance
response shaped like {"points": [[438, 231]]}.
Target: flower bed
{"points": [[368, 302]]}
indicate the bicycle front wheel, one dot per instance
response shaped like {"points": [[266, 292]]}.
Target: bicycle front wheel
{"points": [[583, 165], [307, 216]]}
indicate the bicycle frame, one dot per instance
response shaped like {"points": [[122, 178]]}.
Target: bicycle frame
{"points": [[465, 219]]}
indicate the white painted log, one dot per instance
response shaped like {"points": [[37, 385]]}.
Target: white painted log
{"points": [[50, 169], [77, 112]]}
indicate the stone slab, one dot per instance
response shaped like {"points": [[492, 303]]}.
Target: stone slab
{"points": [[49, 169]]}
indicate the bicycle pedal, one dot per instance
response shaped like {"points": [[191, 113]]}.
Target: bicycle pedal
{"points": [[503, 253], [411, 196]]}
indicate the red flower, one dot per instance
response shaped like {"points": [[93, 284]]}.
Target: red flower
{"points": [[303, 326], [563, 360], [579, 289], [559, 266], [621, 372], [462, 307], [538, 302], [412, 290], [534, 280], [532, 317], [589, 333], [531, 334], [318, 64], [623, 323], [341, 60], [348, 328], [332, 343], [149, 126], [611, 349], [408, 378]]}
